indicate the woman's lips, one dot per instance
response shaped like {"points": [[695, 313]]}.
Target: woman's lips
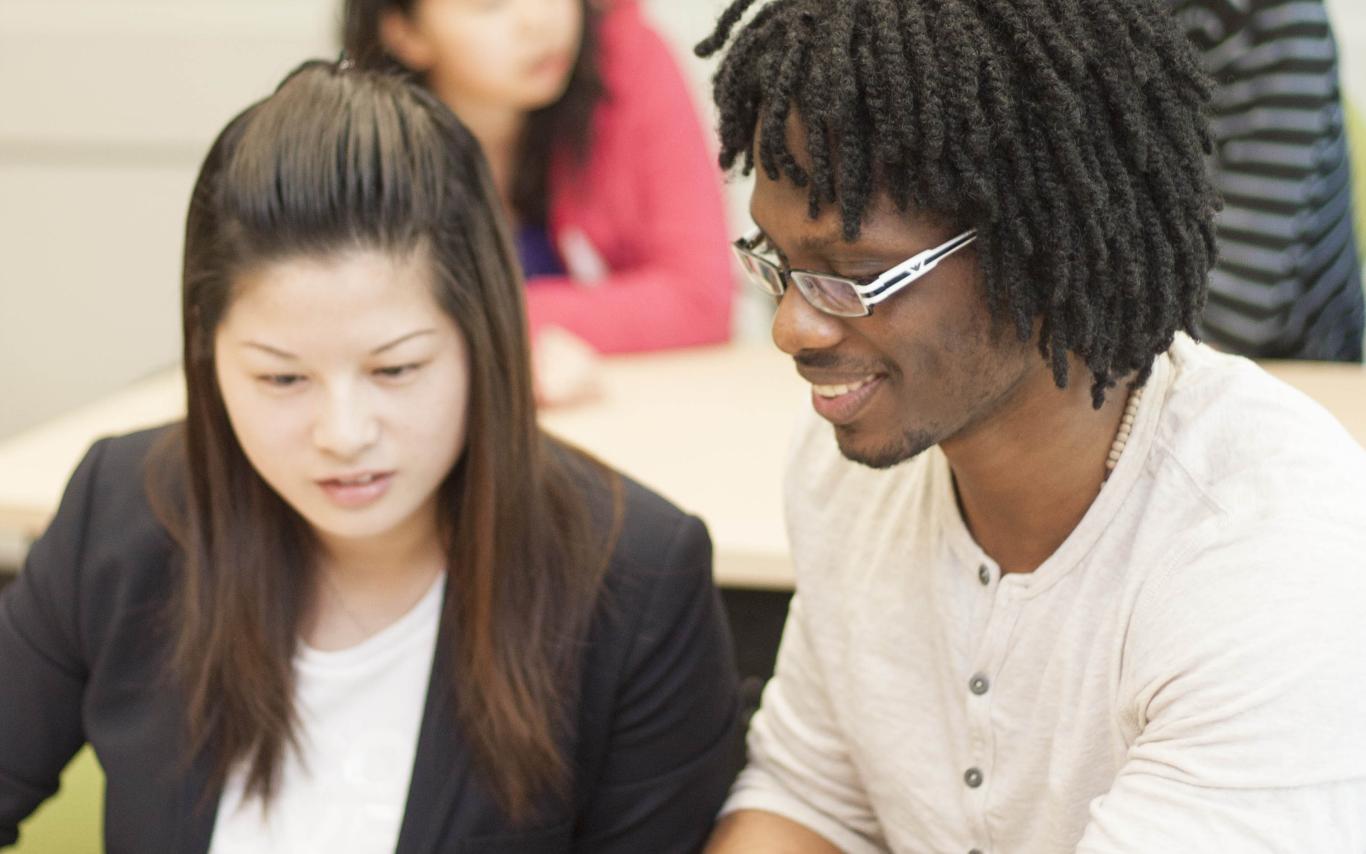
{"points": [[359, 490], [555, 65]]}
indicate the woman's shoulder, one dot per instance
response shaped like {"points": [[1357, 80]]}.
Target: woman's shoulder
{"points": [[107, 509], [130, 452], [648, 531], [657, 553], [114, 477], [657, 537], [103, 560]]}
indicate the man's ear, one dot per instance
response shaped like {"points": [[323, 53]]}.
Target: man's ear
{"points": [[403, 42]]}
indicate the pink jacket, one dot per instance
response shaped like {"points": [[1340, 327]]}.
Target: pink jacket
{"points": [[645, 210]]}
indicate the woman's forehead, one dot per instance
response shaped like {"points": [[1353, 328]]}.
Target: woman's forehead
{"points": [[351, 290]]}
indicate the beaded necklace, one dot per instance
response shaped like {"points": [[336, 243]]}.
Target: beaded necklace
{"points": [[1126, 426]]}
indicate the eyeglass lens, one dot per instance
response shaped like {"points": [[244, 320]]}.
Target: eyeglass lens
{"points": [[762, 273], [830, 295]]}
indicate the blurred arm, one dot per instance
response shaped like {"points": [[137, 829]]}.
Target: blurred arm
{"points": [[758, 832]]}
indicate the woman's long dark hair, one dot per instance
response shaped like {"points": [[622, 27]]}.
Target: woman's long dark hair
{"points": [[564, 126], [333, 161]]}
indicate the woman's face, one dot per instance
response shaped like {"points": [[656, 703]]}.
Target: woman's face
{"points": [[483, 54], [347, 387]]}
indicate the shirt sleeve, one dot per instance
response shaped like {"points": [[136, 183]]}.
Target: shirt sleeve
{"points": [[799, 764], [1247, 685], [675, 740], [42, 662], [679, 288]]}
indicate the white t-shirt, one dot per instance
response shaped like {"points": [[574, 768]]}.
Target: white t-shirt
{"points": [[1187, 673], [360, 710]]}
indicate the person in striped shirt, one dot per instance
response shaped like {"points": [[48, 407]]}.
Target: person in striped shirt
{"points": [[1288, 280]]}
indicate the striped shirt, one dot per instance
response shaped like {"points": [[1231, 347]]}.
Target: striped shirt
{"points": [[1288, 281]]}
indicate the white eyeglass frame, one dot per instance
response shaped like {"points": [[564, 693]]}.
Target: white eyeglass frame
{"points": [[869, 294]]}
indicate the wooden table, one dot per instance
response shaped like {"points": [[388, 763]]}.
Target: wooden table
{"points": [[708, 428]]}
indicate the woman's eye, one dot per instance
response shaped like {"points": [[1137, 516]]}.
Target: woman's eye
{"points": [[393, 372], [281, 380]]}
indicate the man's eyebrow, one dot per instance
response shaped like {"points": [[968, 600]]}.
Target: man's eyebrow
{"points": [[763, 237], [815, 244]]}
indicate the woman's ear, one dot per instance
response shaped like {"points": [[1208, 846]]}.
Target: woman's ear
{"points": [[402, 40]]}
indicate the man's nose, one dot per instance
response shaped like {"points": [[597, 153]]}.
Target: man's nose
{"points": [[799, 326]]}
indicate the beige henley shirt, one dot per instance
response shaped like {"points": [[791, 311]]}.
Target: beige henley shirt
{"points": [[1187, 673]]}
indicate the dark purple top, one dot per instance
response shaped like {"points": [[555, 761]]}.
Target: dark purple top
{"points": [[537, 253]]}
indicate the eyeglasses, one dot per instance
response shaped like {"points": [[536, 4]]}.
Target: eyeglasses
{"points": [[838, 295]]}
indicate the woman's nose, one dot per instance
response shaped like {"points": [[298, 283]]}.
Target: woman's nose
{"points": [[345, 426]]}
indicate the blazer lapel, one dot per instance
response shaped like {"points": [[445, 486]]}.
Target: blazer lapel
{"points": [[441, 768]]}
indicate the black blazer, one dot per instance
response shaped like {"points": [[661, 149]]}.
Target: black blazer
{"points": [[656, 745]]}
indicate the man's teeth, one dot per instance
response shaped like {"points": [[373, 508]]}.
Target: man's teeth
{"points": [[837, 390]]}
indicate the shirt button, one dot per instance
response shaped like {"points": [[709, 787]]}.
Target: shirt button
{"points": [[984, 575], [979, 684], [973, 778]]}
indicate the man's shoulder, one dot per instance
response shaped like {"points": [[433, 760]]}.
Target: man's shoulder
{"points": [[1255, 447], [1263, 495]]}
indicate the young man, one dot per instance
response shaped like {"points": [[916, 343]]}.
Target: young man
{"points": [[1288, 283], [1066, 579]]}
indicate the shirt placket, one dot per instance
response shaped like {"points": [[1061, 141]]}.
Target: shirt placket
{"points": [[999, 610]]}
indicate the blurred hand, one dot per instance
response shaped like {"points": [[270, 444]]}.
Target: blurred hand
{"points": [[565, 368]]}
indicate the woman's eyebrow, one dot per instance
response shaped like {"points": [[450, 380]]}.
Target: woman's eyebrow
{"points": [[399, 340], [274, 351], [285, 354]]}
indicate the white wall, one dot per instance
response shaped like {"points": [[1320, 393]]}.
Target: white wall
{"points": [[108, 108]]}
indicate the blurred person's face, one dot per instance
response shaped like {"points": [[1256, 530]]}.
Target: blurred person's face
{"points": [[928, 366], [481, 54], [347, 388]]}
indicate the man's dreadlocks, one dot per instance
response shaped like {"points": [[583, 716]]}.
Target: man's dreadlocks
{"points": [[1071, 133]]}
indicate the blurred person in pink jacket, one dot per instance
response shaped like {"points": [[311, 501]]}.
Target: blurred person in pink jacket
{"points": [[598, 156]]}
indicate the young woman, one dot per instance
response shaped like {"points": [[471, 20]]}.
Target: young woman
{"points": [[357, 601], [596, 152]]}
